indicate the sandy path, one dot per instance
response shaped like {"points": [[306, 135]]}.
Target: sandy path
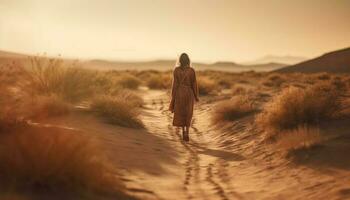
{"points": [[202, 166], [225, 162], [232, 162]]}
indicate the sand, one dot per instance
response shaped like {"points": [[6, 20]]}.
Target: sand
{"points": [[226, 161]]}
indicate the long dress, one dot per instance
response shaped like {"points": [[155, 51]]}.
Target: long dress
{"points": [[184, 93]]}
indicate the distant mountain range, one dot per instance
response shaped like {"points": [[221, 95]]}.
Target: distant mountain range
{"points": [[161, 65], [334, 62], [164, 65], [289, 60]]}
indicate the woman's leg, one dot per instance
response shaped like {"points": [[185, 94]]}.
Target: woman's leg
{"points": [[187, 137], [183, 133]]}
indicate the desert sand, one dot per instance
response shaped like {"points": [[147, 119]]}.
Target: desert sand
{"points": [[229, 161]]}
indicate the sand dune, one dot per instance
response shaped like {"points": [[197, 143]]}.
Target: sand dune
{"points": [[230, 162], [334, 62]]}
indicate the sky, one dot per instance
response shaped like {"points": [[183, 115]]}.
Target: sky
{"points": [[208, 30]]}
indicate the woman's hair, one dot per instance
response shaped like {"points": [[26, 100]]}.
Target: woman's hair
{"points": [[184, 60]]}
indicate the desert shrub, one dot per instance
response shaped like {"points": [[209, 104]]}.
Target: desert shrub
{"points": [[238, 90], [274, 80], [129, 81], [104, 83], [117, 110], [40, 107], [233, 109], [302, 137], [206, 86], [53, 159], [52, 76], [160, 81], [131, 97], [323, 76], [296, 106]]}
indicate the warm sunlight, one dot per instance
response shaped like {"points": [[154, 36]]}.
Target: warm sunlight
{"points": [[174, 99], [223, 30]]}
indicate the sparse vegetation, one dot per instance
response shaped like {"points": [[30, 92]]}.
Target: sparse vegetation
{"points": [[47, 106], [296, 106], [129, 81], [53, 160], [117, 110], [51, 76], [206, 86], [302, 137], [159, 81], [233, 109]]}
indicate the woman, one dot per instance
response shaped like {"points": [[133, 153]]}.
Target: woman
{"points": [[184, 93]]}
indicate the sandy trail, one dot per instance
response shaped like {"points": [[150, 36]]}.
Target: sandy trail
{"points": [[226, 162]]}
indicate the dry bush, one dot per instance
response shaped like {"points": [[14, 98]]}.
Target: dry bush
{"points": [[129, 81], [104, 83], [131, 97], [160, 81], [206, 86], [40, 107], [51, 76], [233, 109], [52, 159], [117, 110], [225, 82], [274, 80], [295, 107], [323, 76], [239, 90], [302, 137]]}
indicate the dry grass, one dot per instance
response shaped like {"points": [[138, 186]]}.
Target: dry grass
{"points": [[295, 107], [40, 107], [131, 97], [117, 110], [50, 76], [206, 86], [233, 109], [274, 80], [129, 81], [159, 81], [302, 137], [52, 160]]}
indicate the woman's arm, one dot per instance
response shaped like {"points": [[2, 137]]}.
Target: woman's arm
{"points": [[173, 92], [195, 86], [174, 85]]}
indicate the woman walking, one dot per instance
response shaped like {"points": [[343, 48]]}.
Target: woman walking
{"points": [[184, 93]]}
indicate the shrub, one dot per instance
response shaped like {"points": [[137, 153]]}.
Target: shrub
{"points": [[233, 109], [238, 90], [274, 80], [53, 159], [323, 76], [206, 86], [302, 137], [129, 81], [47, 106], [131, 97], [117, 110], [296, 106], [159, 81], [50, 76]]}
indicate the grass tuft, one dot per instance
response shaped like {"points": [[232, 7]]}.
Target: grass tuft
{"points": [[233, 109], [52, 160], [117, 110]]}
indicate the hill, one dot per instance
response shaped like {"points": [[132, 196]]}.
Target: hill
{"points": [[333, 62], [161, 65], [288, 60]]}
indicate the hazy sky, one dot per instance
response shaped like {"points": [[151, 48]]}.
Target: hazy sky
{"points": [[209, 30]]}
